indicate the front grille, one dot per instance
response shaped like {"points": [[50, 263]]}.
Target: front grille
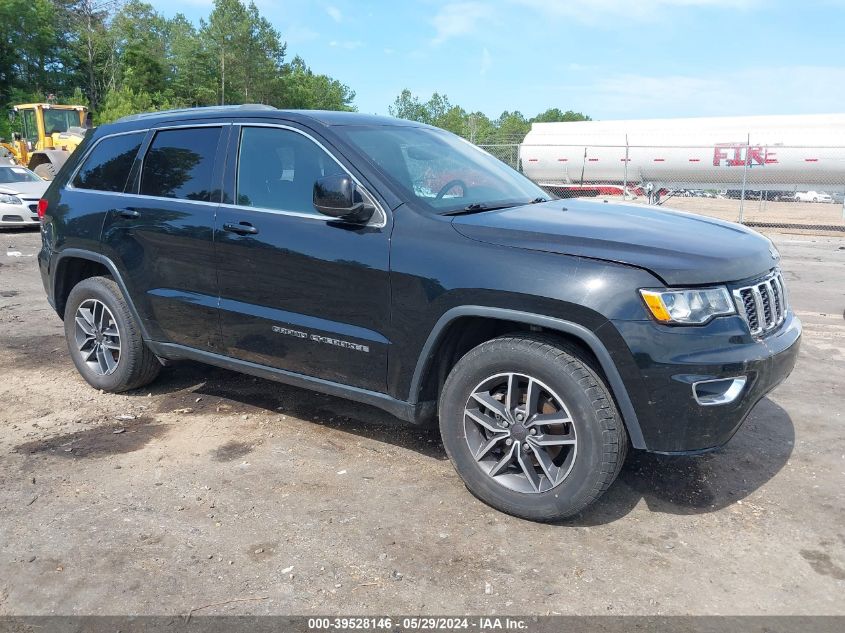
{"points": [[34, 207], [12, 218], [763, 304]]}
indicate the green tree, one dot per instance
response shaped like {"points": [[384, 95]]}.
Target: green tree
{"points": [[264, 56], [225, 35], [140, 36], [554, 115], [189, 64], [28, 54], [124, 101], [122, 56], [302, 88], [511, 127], [408, 106], [88, 44]]}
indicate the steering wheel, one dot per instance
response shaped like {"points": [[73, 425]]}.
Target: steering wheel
{"points": [[452, 183]]}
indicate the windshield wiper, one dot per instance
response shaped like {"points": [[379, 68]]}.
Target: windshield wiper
{"points": [[477, 207], [540, 199]]}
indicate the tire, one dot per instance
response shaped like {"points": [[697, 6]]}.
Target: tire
{"points": [[123, 361], [47, 171], [596, 439]]}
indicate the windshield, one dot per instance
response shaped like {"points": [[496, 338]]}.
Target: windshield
{"points": [[60, 120], [442, 171], [16, 174]]}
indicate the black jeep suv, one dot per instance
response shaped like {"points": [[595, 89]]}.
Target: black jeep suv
{"points": [[395, 264]]}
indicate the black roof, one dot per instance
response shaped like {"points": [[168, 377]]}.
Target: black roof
{"points": [[323, 117]]}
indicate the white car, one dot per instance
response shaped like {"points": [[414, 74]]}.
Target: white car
{"points": [[813, 196], [20, 190]]}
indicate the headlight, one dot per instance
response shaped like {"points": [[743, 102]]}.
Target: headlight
{"points": [[6, 198], [695, 306]]}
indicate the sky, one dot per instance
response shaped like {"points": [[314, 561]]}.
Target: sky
{"points": [[610, 59]]}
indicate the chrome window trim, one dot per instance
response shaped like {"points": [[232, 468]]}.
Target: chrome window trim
{"points": [[138, 195], [69, 184], [300, 214], [297, 214]]}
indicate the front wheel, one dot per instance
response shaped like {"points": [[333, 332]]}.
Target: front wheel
{"points": [[531, 427]]}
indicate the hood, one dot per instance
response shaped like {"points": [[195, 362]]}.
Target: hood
{"points": [[30, 190], [680, 248]]}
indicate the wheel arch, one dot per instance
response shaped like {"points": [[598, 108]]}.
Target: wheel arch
{"points": [[450, 333], [73, 265]]}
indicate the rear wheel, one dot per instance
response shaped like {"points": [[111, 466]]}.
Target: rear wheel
{"points": [[104, 340], [531, 427]]}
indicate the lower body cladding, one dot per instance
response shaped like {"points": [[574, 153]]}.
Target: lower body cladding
{"points": [[696, 385]]}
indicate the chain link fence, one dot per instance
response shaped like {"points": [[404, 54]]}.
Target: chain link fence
{"points": [[787, 187]]}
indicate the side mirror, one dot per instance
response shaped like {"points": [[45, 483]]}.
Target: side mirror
{"points": [[336, 196]]}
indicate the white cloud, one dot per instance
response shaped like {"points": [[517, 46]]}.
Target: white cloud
{"points": [[597, 10], [349, 45], [334, 13], [298, 33], [459, 19], [486, 61], [745, 91]]}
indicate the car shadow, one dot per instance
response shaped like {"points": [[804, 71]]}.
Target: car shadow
{"points": [[669, 484], [185, 381], [10, 230], [698, 484]]}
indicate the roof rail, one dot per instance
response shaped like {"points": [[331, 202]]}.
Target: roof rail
{"points": [[205, 109]]}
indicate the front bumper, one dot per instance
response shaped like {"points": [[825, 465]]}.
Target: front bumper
{"points": [[668, 362], [19, 215]]}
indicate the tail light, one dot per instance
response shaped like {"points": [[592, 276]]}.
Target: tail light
{"points": [[42, 208]]}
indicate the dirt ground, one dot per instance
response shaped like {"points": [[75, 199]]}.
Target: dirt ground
{"points": [[768, 211], [222, 487]]}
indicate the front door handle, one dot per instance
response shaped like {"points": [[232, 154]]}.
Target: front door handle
{"points": [[242, 228], [129, 213]]}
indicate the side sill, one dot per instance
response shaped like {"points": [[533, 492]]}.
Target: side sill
{"points": [[419, 413]]}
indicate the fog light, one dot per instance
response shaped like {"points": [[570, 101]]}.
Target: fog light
{"points": [[720, 391]]}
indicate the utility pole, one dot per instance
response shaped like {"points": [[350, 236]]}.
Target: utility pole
{"points": [[744, 179], [222, 76], [625, 180]]}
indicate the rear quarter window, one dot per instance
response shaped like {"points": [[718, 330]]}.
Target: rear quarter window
{"points": [[180, 164], [107, 166]]}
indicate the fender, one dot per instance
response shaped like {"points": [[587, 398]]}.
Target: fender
{"points": [[588, 337], [79, 253]]}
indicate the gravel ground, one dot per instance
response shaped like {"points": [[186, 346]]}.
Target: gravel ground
{"points": [[768, 211], [212, 488]]}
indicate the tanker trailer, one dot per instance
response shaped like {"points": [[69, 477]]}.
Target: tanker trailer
{"points": [[768, 153]]}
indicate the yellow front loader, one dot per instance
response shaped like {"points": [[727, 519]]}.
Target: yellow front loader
{"points": [[49, 133]]}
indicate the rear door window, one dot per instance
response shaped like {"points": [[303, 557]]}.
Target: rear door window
{"points": [[180, 164], [107, 166]]}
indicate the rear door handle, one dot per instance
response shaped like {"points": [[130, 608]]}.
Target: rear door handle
{"points": [[129, 213], [242, 228]]}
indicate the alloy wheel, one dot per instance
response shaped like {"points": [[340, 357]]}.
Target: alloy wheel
{"points": [[97, 337], [520, 432]]}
